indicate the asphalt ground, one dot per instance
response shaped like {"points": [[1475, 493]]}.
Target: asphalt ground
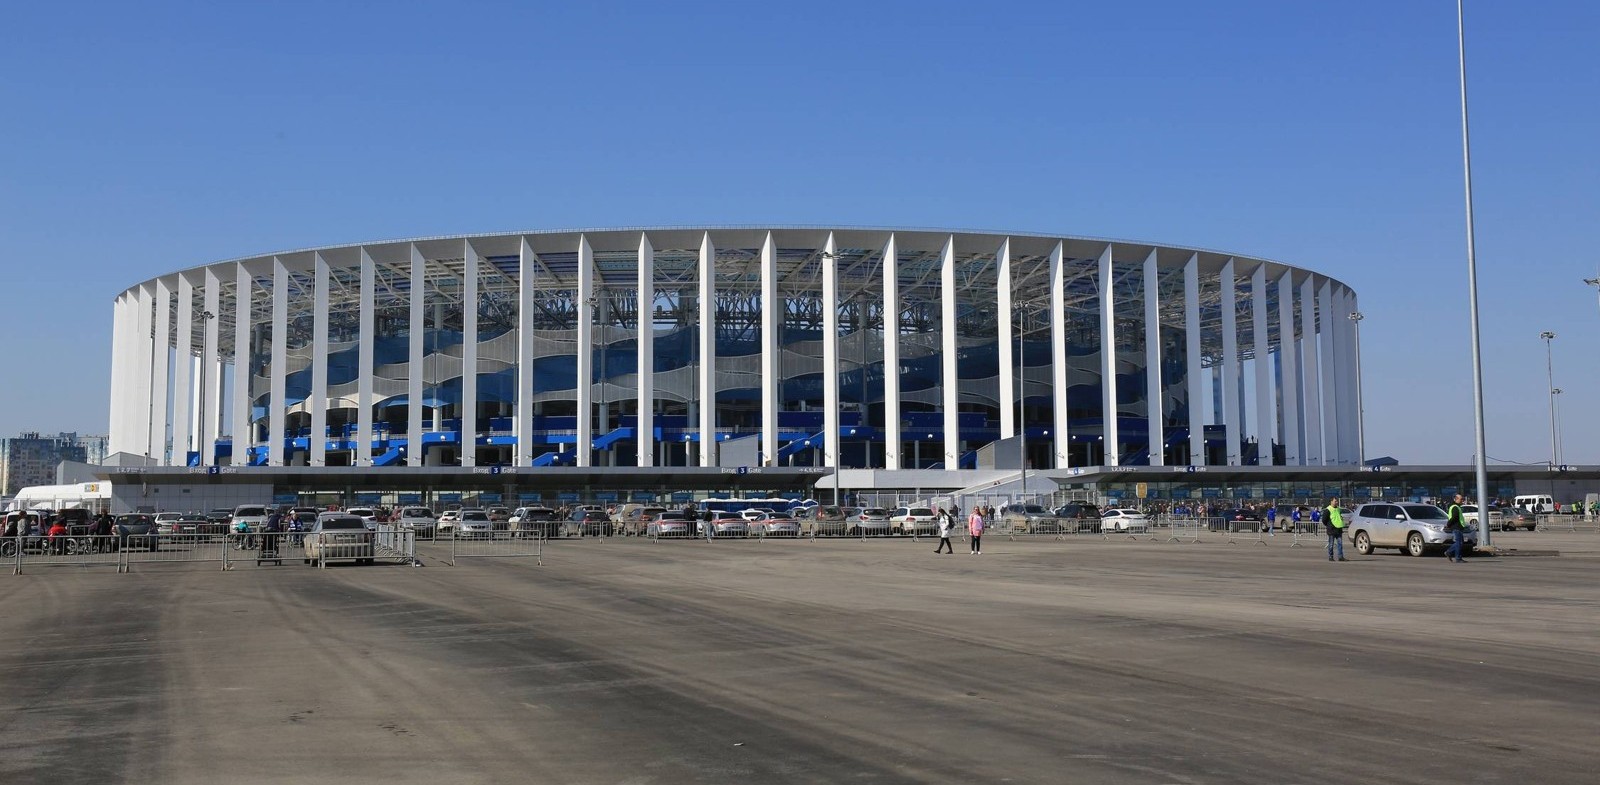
{"points": [[628, 661]]}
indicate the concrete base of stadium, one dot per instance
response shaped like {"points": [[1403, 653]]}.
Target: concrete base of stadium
{"points": [[743, 661]]}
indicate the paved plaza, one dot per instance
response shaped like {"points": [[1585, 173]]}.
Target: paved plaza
{"points": [[631, 661]]}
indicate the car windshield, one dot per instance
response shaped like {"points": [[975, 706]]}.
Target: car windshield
{"points": [[475, 515], [343, 522], [873, 511], [417, 512], [250, 511], [1425, 512], [923, 511]]}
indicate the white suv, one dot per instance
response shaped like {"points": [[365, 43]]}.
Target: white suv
{"points": [[913, 520], [1413, 528]]}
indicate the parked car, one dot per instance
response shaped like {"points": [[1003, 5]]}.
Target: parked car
{"points": [[539, 521], [1242, 520], [1123, 519], [136, 530], [447, 521], [220, 515], [474, 524], [634, 517], [669, 523], [754, 513], [1497, 518], [252, 515], [775, 524], [724, 524], [832, 521], [193, 525], [499, 516], [589, 519], [870, 520], [1415, 529], [367, 514], [419, 520], [1077, 510], [341, 537], [913, 520], [164, 521], [1517, 518]]}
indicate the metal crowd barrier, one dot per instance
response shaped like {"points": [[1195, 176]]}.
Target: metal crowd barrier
{"points": [[181, 548], [1307, 533], [1184, 529], [63, 551], [496, 544]]}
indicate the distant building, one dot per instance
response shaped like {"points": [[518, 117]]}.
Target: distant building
{"points": [[31, 458]]}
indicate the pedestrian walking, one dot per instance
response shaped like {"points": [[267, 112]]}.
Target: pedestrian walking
{"points": [[946, 523], [975, 528], [1456, 525], [1272, 519], [1334, 520]]}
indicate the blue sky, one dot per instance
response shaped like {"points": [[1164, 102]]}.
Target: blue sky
{"points": [[143, 138]]}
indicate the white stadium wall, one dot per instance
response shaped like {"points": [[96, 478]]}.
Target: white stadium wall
{"points": [[359, 355]]}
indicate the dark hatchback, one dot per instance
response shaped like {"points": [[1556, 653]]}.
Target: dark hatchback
{"points": [[136, 530]]}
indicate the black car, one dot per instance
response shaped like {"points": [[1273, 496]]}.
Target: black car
{"points": [[537, 520], [136, 530], [223, 516], [1242, 520]]}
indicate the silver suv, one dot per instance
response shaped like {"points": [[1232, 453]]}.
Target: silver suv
{"points": [[1413, 528]]}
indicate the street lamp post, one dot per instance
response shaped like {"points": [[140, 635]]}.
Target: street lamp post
{"points": [[1361, 402], [1481, 469], [1550, 377], [1555, 412]]}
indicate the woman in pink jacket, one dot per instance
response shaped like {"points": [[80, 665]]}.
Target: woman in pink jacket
{"points": [[975, 528]]}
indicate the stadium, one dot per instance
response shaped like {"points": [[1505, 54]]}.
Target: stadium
{"points": [[881, 349]]}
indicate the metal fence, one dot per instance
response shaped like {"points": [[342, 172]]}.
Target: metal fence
{"points": [[495, 544]]}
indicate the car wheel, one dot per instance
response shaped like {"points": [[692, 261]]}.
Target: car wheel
{"points": [[8, 549], [1414, 545], [308, 561], [1530, 526], [1363, 543]]}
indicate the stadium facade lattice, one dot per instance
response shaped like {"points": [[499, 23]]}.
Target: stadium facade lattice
{"points": [[888, 349]]}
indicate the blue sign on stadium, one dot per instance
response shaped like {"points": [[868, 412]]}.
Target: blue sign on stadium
{"points": [[569, 496], [606, 496], [284, 498], [530, 497], [489, 497], [643, 496], [448, 498], [682, 496], [410, 498]]}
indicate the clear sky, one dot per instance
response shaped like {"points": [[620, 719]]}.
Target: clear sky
{"points": [[141, 138]]}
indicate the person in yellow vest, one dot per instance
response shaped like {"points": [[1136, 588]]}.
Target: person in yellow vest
{"points": [[1333, 519], [1456, 525]]}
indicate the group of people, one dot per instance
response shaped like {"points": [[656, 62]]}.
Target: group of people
{"points": [[55, 528]]}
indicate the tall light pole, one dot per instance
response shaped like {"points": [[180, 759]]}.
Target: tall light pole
{"points": [[1482, 468], [1361, 401], [1555, 411], [1022, 407], [1550, 377], [1592, 282]]}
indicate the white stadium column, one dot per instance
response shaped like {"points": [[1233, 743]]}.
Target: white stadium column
{"points": [[891, 355], [1313, 373], [584, 449], [1332, 443], [1193, 370], [1058, 358], [644, 430], [184, 397], [1230, 364], [146, 362], [1155, 411], [114, 440], [244, 432], [418, 329], [1289, 372], [1109, 437], [318, 440], [211, 381], [947, 340], [469, 356], [158, 373], [1266, 410], [366, 340], [524, 417], [708, 351], [771, 324], [1005, 316], [830, 356], [276, 409]]}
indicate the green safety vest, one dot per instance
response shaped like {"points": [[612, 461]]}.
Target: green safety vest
{"points": [[1453, 512], [1334, 518]]}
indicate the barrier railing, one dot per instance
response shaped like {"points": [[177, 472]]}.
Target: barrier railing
{"points": [[1132, 529], [1184, 529], [1245, 531], [1307, 534], [180, 548], [496, 544], [64, 551]]}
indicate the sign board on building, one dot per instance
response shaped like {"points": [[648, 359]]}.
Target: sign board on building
{"points": [[530, 496]]}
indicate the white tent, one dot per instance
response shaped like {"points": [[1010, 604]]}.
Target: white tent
{"points": [[91, 495]]}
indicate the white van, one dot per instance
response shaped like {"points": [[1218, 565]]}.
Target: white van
{"points": [[1537, 504]]}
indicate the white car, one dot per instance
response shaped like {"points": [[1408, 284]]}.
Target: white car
{"points": [[447, 522], [419, 520], [1123, 519], [913, 520], [1415, 529], [754, 513], [474, 523], [1469, 515]]}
